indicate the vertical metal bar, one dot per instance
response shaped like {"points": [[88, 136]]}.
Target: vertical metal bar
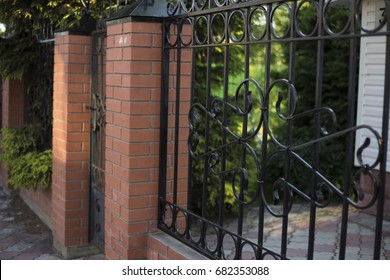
{"points": [[244, 135], [351, 121], [102, 38], [192, 96], [264, 145], [318, 102], [207, 127], [223, 156], [385, 137], [221, 214], [207, 140], [163, 122], [177, 117], [287, 171]]}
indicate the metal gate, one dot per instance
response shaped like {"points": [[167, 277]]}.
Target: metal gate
{"points": [[98, 122], [262, 122]]}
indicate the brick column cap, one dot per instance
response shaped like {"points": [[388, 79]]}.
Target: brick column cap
{"points": [[142, 10]]}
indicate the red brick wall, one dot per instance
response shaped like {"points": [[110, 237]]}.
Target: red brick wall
{"points": [[132, 141], [70, 187]]}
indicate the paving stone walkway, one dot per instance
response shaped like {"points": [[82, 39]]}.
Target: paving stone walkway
{"points": [[360, 236], [23, 236]]}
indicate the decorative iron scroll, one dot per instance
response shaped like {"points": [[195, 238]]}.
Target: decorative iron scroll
{"points": [[319, 198], [98, 111], [97, 177]]}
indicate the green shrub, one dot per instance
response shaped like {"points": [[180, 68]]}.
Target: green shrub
{"points": [[32, 170], [22, 154]]}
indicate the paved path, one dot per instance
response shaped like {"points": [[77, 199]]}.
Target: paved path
{"points": [[24, 236], [360, 237]]}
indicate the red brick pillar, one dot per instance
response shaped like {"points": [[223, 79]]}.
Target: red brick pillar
{"points": [[12, 113], [70, 186], [132, 141]]}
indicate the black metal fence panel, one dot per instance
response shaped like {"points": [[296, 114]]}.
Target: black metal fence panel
{"points": [[38, 83], [97, 135], [274, 128]]}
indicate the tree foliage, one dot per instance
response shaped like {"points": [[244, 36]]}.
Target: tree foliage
{"points": [[23, 20]]}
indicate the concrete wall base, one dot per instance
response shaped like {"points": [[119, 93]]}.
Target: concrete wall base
{"points": [[75, 252], [46, 219], [161, 246]]}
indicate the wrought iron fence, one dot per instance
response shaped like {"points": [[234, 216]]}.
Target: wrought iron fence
{"points": [[97, 134], [262, 111], [38, 83]]}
